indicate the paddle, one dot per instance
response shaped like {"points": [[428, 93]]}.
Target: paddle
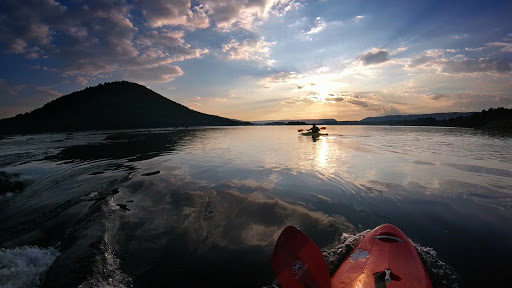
{"points": [[298, 263], [323, 128]]}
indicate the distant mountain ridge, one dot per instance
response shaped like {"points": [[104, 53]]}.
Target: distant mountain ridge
{"points": [[437, 116], [114, 105], [309, 121]]}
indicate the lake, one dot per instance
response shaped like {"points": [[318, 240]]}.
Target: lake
{"points": [[204, 206]]}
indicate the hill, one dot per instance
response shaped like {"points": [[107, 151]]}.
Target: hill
{"points": [[494, 119], [284, 121], [436, 116], [115, 105]]}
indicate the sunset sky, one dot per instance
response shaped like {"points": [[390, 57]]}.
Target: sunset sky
{"points": [[264, 59]]}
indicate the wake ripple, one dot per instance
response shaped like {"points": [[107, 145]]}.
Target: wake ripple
{"points": [[25, 266]]}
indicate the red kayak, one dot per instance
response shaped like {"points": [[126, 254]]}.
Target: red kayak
{"points": [[384, 258]]}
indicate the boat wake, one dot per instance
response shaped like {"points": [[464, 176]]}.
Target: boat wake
{"points": [[25, 266]]}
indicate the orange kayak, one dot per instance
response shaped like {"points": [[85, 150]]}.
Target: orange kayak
{"points": [[384, 258]]}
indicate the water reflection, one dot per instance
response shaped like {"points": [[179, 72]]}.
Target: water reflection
{"points": [[168, 221], [211, 201]]}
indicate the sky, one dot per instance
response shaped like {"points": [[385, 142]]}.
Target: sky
{"points": [[263, 59]]}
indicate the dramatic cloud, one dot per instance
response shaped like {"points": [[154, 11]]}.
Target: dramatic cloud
{"points": [[249, 50], [160, 13], [25, 25], [99, 37], [163, 47], [375, 58], [231, 14]]}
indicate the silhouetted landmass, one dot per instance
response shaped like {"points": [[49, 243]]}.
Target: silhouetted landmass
{"points": [[494, 119], [284, 121], [436, 116], [115, 105], [275, 123], [296, 123]]}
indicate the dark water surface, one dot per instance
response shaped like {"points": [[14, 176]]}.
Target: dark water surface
{"points": [[204, 206]]}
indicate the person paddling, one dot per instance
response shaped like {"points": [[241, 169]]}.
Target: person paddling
{"points": [[314, 129]]}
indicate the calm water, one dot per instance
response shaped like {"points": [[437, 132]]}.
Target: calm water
{"points": [[205, 206]]}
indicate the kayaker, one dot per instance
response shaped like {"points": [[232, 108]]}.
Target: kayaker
{"points": [[314, 129]]}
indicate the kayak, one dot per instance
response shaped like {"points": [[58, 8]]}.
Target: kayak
{"points": [[313, 134], [384, 258]]}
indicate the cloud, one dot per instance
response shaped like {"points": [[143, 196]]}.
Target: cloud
{"points": [[17, 98], [308, 97], [374, 58], [281, 77], [460, 64], [358, 18], [164, 47], [257, 50], [333, 98], [501, 65], [99, 37], [504, 47], [162, 73], [319, 26], [233, 14], [460, 36], [437, 96], [323, 69], [8, 90], [420, 61], [160, 13], [471, 101], [357, 102], [81, 80], [25, 25], [45, 94], [389, 110]]}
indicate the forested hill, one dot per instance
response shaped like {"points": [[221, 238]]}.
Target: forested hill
{"points": [[437, 116], [497, 119], [115, 105]]}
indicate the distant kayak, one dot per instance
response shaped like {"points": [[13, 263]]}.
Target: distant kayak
{"points": [[384, 258], [313, 134]]}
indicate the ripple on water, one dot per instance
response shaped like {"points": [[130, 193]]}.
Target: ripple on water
{"points": [[25, 266]]}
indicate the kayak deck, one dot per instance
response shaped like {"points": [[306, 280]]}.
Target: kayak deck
{"points": [[385, 255]]}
